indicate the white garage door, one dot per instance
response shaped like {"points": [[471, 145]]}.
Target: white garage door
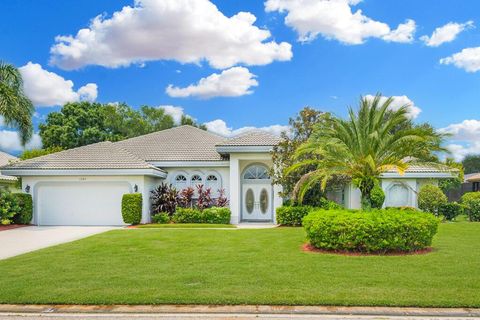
{"points": [[80, 203]]}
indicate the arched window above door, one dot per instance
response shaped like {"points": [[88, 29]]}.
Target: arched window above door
{"points": [[256, 172]]}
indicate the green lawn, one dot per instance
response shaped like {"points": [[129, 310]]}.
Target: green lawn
{"points": [[185, 226], [152, 266]]}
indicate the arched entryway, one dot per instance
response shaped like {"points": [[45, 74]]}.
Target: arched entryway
{"points": [[257, 194]]}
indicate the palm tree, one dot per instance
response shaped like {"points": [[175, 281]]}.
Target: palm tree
{"points": [[367, 144], [15, 108]]}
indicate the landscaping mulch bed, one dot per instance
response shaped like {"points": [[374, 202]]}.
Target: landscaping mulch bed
{"points": [[307, 247], [11, 226]]}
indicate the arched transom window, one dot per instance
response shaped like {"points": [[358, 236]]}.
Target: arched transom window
{"points": [[196, 179], [180, 182], [212, 182], [255, 172]]}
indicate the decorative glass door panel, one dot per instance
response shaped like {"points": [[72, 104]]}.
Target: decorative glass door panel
{"points": [[256, 204]]}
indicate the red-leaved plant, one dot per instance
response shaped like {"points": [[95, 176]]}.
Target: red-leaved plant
{"points": [[185, 197], [222, 200], [204, 199]]}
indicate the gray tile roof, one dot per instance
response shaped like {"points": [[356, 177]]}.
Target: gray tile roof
{"points": [[183, 143], [5, 159], [251, 138], [102, 155]]}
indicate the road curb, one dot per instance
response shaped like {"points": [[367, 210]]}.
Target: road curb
{"points": [[242, 309]]}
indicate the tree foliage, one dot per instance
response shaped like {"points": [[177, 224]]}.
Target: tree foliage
{"points": [[34, 153], [82, 123], [15, 108], [301, 127], [370, 142], [471, 163]]}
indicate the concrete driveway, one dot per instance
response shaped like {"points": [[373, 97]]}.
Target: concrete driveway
{"points": [[22, 240]]}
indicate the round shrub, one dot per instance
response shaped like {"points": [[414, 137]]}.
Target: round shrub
{"points": [[187, 215], [161, 218], [377, 197], [292, 215], [471, 201], [132, 208], [431, 198], [450, 211], [375, 231], [25, 203]]}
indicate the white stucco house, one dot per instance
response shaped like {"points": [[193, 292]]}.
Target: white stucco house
{"points": [[84, 186]]}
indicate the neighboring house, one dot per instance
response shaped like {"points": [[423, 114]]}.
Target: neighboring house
{"points": [[7, 181], [84, 186], [471, 183]]}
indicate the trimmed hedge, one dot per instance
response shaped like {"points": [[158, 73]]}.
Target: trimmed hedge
{"points": [[9, 207], [25, 214], [213, 215], [471, 201], [161, 218], [132, 208], [376, 231], [288, 215], [450, 210], [292, 216]]}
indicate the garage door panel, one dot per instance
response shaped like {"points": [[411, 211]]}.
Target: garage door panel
{"points": [[80, 203]]}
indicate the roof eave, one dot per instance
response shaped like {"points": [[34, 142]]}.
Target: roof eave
{"points": [[155, 172], [241, 149]]}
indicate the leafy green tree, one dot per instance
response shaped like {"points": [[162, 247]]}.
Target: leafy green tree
{"points": [[301, 127], [34, 153], [363, 147], [15, 108], [187, 120], [82, 123], [455, 182], [471, 163]]}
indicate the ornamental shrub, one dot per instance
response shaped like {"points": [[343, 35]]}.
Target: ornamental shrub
{"points": [[450, 211], [375, 231], [471, 201], [377, 197], [431, 198], [8, 207], [215, 215], [25, 203], [187, 215], [292, 215], [161, 218], [132, 208]]}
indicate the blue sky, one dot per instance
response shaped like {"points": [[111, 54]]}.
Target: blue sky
{"points": [[325, 60]]}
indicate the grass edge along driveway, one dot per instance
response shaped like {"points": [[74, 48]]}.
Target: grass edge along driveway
{"points": [[259, 266]]}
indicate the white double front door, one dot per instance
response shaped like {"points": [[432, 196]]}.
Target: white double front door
{"points": [[257, 202]]}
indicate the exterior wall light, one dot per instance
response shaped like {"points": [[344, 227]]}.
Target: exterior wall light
{"points": [[135, 188], [27, 189]]}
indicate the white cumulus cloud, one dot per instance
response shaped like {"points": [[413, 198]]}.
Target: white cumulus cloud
{"points": [[446, 33], [10, 141], [220, 127], [47, 88], [467, 59], [233, 82], [465, 138], [399, 101], [188, 31], [334, 19], [175, 112]]}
